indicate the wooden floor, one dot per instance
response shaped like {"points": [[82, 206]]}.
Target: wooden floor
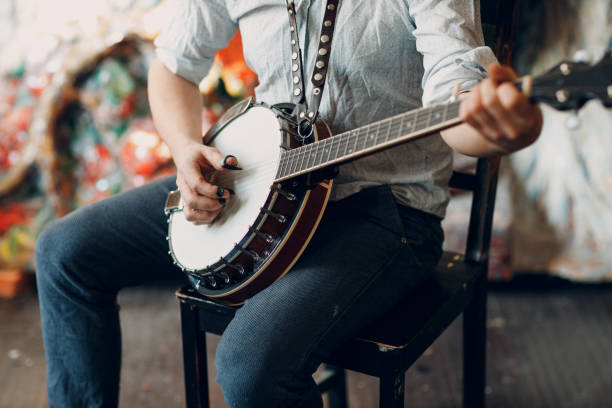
{"points": [[550, 345]]}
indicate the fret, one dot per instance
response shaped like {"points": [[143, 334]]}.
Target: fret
{"points": [[319, 152], [357, 139], [292, 162], [330, 143], [368, 137], [355, 136], [382, 132], [428, 123], [307, 156], [279, 171], [288, 162], [363, 138], [355, 147], [297, 158], [300, 155], [330, 149], [312, 159], [398, 128], [418, 120], [434, 116], [414, 122], [388, 130], [283, 165], [333, 149], [354, 140], [346, 143], [393, 128], [373, 138]]}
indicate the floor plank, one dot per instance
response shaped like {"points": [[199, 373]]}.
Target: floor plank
{"points": [[548, 346]]}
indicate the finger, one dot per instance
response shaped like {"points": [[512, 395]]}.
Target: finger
{"points": [[474, 114], [515, 102], [195, 201], [525, 114], [193, 177], [499, 73], [200, 217], [198, 184], [218, 160], [503, 119]]}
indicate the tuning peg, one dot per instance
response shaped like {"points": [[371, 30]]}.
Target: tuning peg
{"points": [[583, 56]]}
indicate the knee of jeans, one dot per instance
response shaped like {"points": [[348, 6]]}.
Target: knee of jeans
{"points": [[243, 374], [56, 248]]}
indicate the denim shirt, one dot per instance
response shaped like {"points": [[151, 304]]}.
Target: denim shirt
{"points": [[388, 57]]}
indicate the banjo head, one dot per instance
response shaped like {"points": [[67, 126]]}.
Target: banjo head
{"points": [[254, 138]]}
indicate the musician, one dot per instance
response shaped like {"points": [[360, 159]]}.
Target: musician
{"points": [[380, 237]]}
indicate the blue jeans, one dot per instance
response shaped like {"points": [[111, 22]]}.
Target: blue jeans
{"points": [[367, 254]]}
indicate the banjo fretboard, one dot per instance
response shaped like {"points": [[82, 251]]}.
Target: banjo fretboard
{"points": [[367, 139]]}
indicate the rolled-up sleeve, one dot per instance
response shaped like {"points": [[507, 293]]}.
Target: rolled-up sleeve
{"points": [[196, 31], [449, 36]]}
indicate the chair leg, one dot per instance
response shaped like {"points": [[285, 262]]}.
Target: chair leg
{"points": [[194, 358], [392, 390], [474, 348], [336, 393]]}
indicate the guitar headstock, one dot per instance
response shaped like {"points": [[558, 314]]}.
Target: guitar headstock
{"points": [[570, 85]]}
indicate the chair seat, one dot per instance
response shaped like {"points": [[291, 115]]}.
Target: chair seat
{"points": [[392, 342], [389, 342]]}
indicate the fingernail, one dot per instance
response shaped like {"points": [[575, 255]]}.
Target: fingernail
{"points": [[220, 191], [228, 166], [221, 201], [232, 192]]}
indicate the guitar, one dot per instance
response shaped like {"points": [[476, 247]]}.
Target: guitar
{"points": [[282, 192]]}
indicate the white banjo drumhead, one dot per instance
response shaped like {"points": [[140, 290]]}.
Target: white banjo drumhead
{"points": [[254, 139]]}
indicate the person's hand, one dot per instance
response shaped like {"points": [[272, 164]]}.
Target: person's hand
{"points": [[500, 112], [202, 200]]}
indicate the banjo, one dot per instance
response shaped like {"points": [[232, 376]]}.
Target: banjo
{"points": [[284, 185]]}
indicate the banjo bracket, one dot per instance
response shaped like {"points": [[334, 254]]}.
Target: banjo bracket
{"points": [[173, 202]]}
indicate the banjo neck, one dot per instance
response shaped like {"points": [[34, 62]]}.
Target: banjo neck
{"points": [[367, 139]]}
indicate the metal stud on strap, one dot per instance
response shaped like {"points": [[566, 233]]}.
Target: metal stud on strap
{"points": [[305, 122]]}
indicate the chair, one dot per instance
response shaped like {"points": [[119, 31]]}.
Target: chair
{"points": [[390, 346]]}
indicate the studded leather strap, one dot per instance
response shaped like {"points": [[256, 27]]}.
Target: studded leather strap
{"points": [[306, 114]]}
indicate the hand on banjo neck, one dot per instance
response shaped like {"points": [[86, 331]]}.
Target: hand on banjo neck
{"points": [[498, 117]]}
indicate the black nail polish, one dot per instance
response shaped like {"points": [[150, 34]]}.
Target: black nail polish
{"points": [[232, 192], [221, 201], [220, 191], [228, 166]]}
